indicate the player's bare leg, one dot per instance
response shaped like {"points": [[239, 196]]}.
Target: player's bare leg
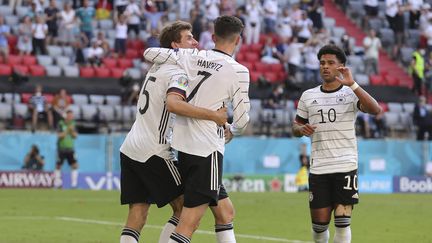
{"points": [[224, 216], [342, 220], [189, 222], [136, 220], [168, 229], [320, 221]]}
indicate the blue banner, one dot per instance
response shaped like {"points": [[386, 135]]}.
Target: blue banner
{"points": [[375, 184], [412, 184]]}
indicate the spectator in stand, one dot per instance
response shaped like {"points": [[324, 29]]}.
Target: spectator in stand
{"points": [[60, 105], [205, 40], [293, 57], [227, 7], [68, 25], [153, 40], [4, 34], [153, 17], [161, 5], [372, 46], [395, 17], [371, 8], [32, 13], [121, 36], [253, 21], [33, 159], [270, 15], [77, 3], [284, 25], [197, 23], [25, 34], [414, 7], [312, 65], [14, 3], [38, 105], [103, 9], [120, 7], [422, 117], [212, 9], [314, 9], [86, 14], [416, 70], [39, 6], [276, 98], [184, 7], [103, 43], [304, 28], [133, 14], [425, 14], [40, 31], [295, 13], [346, 45], [51, 14], [378, 128], [239, 13], [95, 53], [80, 43], [269, 52]]}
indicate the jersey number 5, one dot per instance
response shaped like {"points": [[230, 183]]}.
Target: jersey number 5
{"points": [[147, 95]]}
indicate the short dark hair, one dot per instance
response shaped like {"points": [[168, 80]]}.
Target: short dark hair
{"points": [[172, 33], [227, 27], [332, 49]]}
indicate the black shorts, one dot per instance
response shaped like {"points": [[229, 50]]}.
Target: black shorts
{"points": [[326, 190], [155, 181], [66, 154], [202, 178], [371, 11]]}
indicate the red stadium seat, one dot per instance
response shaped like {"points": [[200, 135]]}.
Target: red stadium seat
{"points": [[256, 47], [254, 76], [135, 44], [376, 80], [272, 77], [25, 97], [24, 70], [110, 62], [277, 67], [37, 70], [117, 72], [29, 60], [132, 53], [244, 48], [5, 70], [14, 60], [262, 67], [282, 75], [87, 72], [102, 72], [12, 40], [248, 65], [49, 97], [240, 57], [384, 106], [252, 57], [125, 63], [392, 80]]}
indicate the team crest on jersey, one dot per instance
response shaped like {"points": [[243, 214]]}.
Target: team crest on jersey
{"points": [[182, 82], [310, 196], [340, 99]]}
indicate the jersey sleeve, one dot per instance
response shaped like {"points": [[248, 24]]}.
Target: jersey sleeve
{"points": [[179, 83], [302, 115], [168, 56], [240, 101]]}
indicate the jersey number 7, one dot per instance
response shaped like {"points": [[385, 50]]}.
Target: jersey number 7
{"points": [[147, 95]]}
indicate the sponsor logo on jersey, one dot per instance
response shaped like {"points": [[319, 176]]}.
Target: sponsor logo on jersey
{"points": [[314, 102], [356, 196]]}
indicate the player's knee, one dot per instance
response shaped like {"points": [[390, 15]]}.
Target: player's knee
{"points": [[342, 221], [343, 210], [319, 227]]}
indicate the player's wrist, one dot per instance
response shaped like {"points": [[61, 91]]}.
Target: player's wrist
{"points": [[354, 86]]}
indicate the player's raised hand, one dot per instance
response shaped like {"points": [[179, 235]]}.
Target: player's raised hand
{"points": [[221, 116], [308, 129], [348, 79]]}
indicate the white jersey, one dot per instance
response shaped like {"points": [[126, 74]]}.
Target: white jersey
{"points": [[215, 79], [334, 143], [151, 132]]}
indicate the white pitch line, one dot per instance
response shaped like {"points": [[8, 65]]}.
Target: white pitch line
{"points": [[92, 221]]}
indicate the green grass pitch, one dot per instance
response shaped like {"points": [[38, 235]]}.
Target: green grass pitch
{"points": [[96, 216]]}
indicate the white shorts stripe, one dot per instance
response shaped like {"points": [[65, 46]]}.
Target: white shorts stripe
{"points": [[174, 171]]}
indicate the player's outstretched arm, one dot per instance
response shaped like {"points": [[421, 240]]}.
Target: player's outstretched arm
{"points": [[166, 55], [177, 105]]}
